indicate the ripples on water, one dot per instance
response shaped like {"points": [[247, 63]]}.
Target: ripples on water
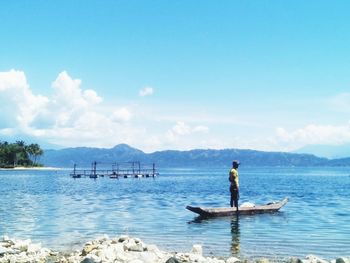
{"points": [[63, 213]]}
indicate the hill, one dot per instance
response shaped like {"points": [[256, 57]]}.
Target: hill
{"points": [[84, 156], [327, 151]]}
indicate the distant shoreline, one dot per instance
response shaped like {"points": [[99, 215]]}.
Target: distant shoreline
{"points": [[31, 168]]}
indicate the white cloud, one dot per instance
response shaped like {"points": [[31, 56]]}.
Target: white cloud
{"points": [[7, 132], [12, 79], [181, 129], [68, 93], [314, 134], [121, 115], [146, 91], [18, 101], [91, 97]]}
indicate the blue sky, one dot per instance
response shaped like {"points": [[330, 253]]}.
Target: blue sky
{"points": [[267, 75]]}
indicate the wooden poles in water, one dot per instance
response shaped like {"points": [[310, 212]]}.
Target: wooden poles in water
{"points": [[132, 169]]}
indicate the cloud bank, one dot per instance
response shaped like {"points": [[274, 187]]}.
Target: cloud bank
{"points": [[315, 134], [73, 116]]}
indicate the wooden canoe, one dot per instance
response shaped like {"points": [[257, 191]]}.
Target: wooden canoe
{"points": [[229, 211]]}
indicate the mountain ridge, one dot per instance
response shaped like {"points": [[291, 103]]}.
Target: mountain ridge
{"points": [[84, 156], [328, 151]]}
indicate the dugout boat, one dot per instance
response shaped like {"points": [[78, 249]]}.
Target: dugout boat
{"points": [[242, 210]]}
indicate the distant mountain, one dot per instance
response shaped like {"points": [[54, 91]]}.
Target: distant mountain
{"points": [[327, 151], [84, 156], [224, 157], [340, 162]]}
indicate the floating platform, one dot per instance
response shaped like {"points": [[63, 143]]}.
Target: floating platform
{"points": [[118, 170]]}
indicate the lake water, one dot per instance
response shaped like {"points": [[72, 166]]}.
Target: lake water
{"points": [[63, 213]]}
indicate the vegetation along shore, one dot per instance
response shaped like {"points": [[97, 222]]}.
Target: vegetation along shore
{"points": [[19, 154]]}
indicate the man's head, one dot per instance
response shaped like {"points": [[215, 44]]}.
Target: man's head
{"points": [[235, 164]]}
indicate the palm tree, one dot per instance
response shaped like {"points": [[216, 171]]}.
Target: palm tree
{"points": [[21, 153], [34, 152], [21, 143]]}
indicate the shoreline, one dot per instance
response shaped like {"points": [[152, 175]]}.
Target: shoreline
{"points": [[125, 249], [22, 168]]}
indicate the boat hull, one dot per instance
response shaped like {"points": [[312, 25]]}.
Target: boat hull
{"points": [[230, 211]]}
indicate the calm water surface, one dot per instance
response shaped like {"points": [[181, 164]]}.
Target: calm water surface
{"points": [[63, 213]]}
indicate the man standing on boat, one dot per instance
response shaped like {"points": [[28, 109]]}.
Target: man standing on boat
{"points": [[234, 186]]}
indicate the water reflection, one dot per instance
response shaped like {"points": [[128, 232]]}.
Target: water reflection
{"points": [[233, 225], [236, 236], [198, 219]]}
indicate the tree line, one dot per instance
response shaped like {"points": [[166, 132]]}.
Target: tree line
{"points": [[19, 154]]}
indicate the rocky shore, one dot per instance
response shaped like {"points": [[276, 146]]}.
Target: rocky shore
{"points": [[122, 249]]}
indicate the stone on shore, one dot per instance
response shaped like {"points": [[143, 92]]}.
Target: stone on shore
{"points": [[315, 259], [342, 260], [232, 260], [173, 260], [295, 260], [12, 250], [91, 259], [197, 249], [263, 260], [123, 249], [88, 248]]}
